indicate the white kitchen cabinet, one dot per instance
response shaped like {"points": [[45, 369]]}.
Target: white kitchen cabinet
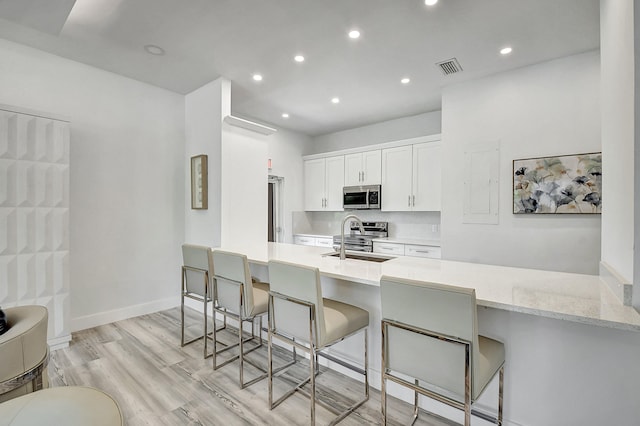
{"points": [[411, 178], [397, 178], [427, 177], [401, 249], [323, 183], [388, 248], [415, 250], [363, 168], [324, 242], [303, 240], [307, 240]]}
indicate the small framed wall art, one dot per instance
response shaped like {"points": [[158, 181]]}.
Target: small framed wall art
{"points": [[199, 182], [561, 184]]}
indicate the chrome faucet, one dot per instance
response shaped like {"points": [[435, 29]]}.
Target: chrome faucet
{"points": [[360, 225]]}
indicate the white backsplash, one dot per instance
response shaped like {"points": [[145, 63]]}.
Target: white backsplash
{"points": [[414, 225]]}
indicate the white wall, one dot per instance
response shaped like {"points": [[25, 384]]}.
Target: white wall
{"points": [[204, 109], [386, 131], [542, 110], [285, 149], [636, 191], [617, 68], [244, 187], [126, 180]]}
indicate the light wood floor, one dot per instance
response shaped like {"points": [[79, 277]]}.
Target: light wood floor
{"points": [[139, 362]]}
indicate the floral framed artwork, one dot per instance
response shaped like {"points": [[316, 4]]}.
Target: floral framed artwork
{"points": [[557, 185], [199, 182]]}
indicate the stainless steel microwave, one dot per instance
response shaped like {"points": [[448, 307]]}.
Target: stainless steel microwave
{"points": [[362, 197]]}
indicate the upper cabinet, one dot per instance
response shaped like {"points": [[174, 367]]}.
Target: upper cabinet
{"points": [[408, 170], [411, 177], [427, 177], [323, 182], [363, 168]]}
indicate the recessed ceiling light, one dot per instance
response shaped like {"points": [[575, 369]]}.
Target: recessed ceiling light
{"points": [[285, 115], [506, 50], [405, 80], [298, 58], [335, 100], [154, 50], [430, 2], [257, 77], [354, 34]]}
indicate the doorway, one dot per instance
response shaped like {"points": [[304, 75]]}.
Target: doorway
{"points": [[275, 228]]}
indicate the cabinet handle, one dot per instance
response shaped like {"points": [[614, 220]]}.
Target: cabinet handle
{"points": [[413, 197], [363, 176], [386, 248], [409, 201], [421, 251]]}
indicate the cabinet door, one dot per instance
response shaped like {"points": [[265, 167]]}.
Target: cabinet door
{"points": [[396, 178], [353, 169], [372, 167], [388, 248], [334, 182], [422, 251], [314, 184], [324, 242], [427, 177], [304, 241]]}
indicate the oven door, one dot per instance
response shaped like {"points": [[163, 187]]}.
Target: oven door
{"points": [[355, 199]]}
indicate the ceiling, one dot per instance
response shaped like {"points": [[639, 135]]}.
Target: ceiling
{"points": [[206, 39]]}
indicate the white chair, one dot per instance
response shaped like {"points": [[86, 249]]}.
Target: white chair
{"points": [[24, 353], [299, 316], [197, 275], [242, 299], [430, 334]]}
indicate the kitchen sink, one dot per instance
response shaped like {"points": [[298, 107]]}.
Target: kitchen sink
{"points": [[370, 257]]}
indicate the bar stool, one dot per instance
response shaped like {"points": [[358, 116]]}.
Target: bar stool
{"points": [[242, 299], [429, 333], [196, 275], [298, 313]]}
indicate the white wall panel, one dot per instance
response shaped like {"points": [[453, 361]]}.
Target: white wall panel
{"points": [[34, 216]]}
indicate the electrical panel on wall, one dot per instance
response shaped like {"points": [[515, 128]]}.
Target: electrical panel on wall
{"points": [[481, 183]]}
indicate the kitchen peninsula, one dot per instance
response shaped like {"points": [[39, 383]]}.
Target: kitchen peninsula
{"points": [[564, 333]]}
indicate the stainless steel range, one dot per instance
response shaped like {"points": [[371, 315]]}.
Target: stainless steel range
{"points": [[355, 241]]}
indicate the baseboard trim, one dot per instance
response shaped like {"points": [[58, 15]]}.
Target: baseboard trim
{"points": [[102, 318], [59, 342], [618, 285]]}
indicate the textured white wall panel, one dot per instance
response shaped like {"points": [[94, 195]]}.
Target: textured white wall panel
{"points": [[34, 216]]}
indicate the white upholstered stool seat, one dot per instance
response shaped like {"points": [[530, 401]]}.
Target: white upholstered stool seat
{"points": [[24, 352], [299, 316], [342, 319], [68, 406], [242, 298], [430, 334]]}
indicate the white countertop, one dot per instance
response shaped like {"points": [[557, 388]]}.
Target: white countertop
{"points": [[400, 240], [560, 295]]}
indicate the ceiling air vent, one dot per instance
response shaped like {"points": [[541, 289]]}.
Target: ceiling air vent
{"points": [[450, 66]]}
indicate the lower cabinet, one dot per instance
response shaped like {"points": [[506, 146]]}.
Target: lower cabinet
{"points": [[304, 240], [388, 248], [422, 251], [324, 242], [414, 250]]}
